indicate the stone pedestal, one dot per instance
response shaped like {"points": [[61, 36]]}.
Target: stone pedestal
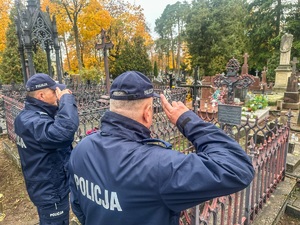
{"points": [[291, 97], [283, 72], [291, 105], [291, 100]]}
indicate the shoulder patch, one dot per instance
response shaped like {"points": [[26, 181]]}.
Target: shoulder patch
{"points": [[158, 142], [20, 142], [42, 113]]}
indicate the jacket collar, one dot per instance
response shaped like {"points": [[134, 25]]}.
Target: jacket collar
{"points": [[38, 105], [118, 125]]}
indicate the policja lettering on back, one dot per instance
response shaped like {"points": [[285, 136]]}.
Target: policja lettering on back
{"points": [[93, 192]]}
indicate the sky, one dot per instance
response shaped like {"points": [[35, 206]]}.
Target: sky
{"points": [[153, 10]]}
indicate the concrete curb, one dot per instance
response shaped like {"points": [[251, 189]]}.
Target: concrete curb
{"points": [[292, 211], [276, 205]]}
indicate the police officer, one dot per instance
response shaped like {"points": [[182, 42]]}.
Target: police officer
{"points": [[120, 175], [45, 130]]}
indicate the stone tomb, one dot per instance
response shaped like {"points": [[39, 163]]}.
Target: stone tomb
{"points": [[260, 114]]}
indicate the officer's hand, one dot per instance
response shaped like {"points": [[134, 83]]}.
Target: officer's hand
{"points": [[60, 93], [173, 111]]}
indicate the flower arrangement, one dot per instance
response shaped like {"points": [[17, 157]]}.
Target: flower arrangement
{"points": [[217, 97], [255, 102]]}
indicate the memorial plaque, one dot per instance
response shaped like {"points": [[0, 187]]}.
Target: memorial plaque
{"points": [[229, 114]]}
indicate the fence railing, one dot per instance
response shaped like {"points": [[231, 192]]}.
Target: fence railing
{"points": [[265, 142]]}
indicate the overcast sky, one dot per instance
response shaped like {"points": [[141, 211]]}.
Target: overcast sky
{"points": [[153, 9]]}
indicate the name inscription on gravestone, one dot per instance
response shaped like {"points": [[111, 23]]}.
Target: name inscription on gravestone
{"points": [[229, 114]]}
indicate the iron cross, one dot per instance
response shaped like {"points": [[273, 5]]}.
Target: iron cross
{"points": [[105, 46]]}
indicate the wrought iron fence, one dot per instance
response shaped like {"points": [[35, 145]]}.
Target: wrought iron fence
{"points": [[265, 142]]}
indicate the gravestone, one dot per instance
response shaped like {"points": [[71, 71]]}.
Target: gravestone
{"points": [[242, 92], [205, 95], [284, 70], [245, 65], [291, 95], [255, 87], [206, 92], [265, 88]]}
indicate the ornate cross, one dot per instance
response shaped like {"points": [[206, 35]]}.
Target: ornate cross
{"points": [[232, 80], [105, 46]]}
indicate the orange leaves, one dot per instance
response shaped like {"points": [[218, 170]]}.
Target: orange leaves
{"points": [[62, 21], [4, 18], [93, 19], [80, 21]]}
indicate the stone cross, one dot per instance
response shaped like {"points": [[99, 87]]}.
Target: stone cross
{"points": [[245, 65], [256, 72], [105, 46], [294, 63]]}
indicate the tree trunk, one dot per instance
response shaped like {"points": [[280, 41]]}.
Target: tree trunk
{"points": [[278, 16], [67, 52], [178, 49], [77, 45]]}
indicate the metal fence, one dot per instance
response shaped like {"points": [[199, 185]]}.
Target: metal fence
{"points": [[265, 142]]}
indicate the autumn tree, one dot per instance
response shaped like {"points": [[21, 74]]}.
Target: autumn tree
{"points": [[5, 6], [267, 22], [64, 27], [292, 27], [264, 31], [73, 10], [155, 69], [120, 19], [10, 67], [215, 32], [134, 56], [128, 23], [170, 26]]}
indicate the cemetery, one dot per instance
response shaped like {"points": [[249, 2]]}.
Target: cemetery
{"points": [[263, 117], [266, 141]]}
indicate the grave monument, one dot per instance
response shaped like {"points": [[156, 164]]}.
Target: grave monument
{"points": [[232, 80], [35, 27], [291, 95], [241, 93], [284, 70]]}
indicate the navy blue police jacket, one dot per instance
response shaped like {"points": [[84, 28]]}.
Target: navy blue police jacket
{"points": [[44, 138], [120, 176]]}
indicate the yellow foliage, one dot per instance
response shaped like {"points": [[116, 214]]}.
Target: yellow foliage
{"points": [[4, 18], [93, 19], [186, 57], [122, 21], [62, 21], [73, 61]]}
